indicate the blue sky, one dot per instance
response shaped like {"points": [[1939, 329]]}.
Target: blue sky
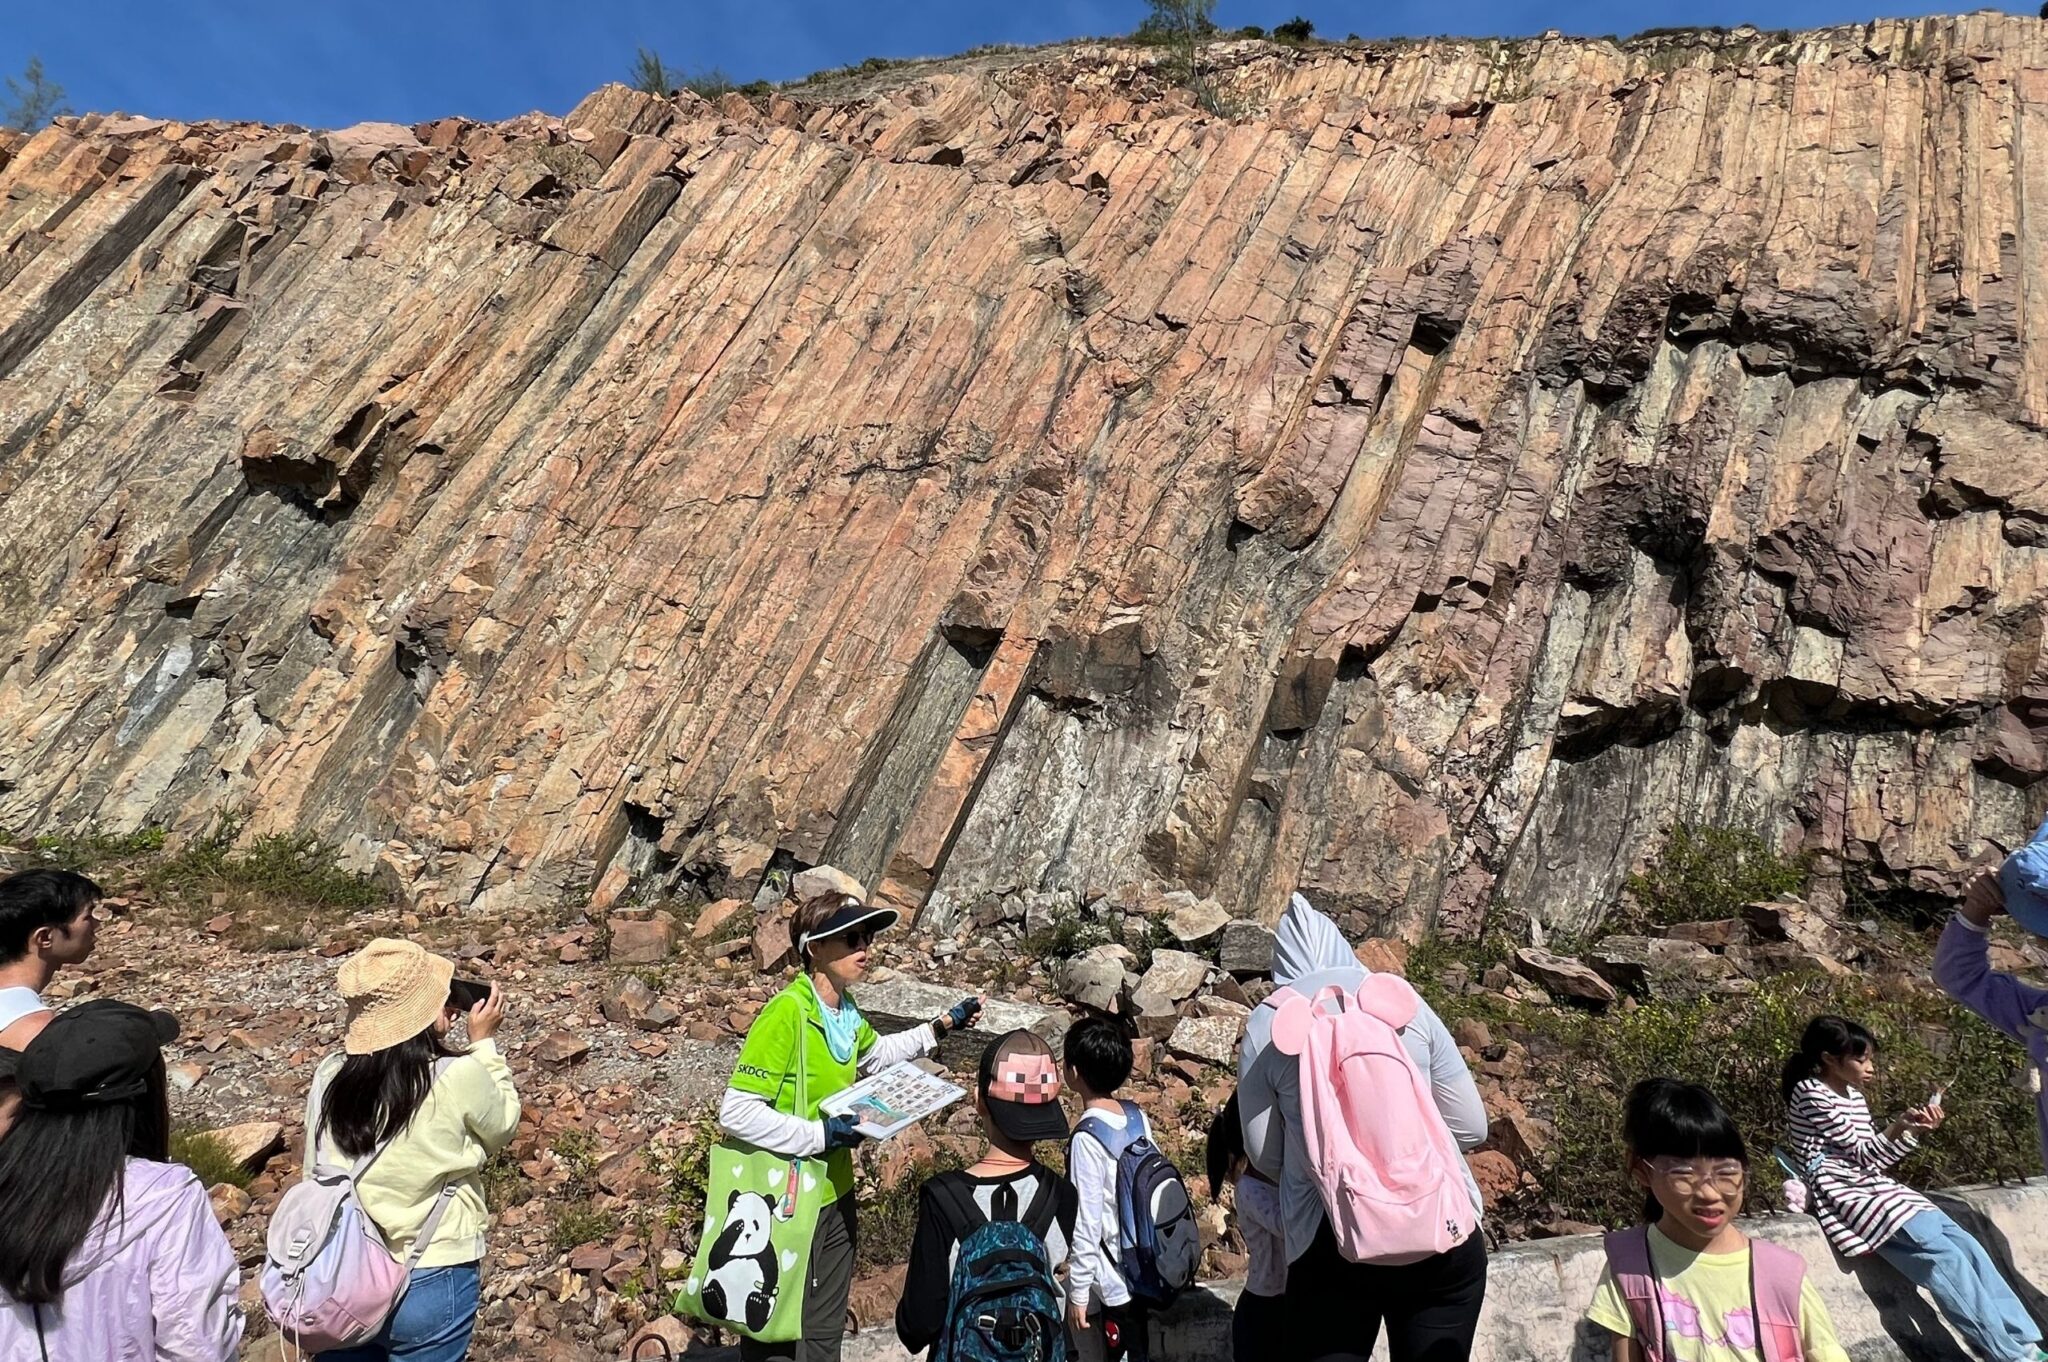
{"points": [[325, 64]]}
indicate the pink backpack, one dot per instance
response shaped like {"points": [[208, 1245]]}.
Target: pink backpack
{"points": [[328, 1280], [1390, 1174], [1776, 1273]]}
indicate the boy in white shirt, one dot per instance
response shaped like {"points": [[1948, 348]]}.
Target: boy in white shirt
{"points": [[1105, 1323]]}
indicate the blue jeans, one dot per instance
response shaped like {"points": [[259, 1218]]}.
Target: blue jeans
{"points": [[431, 1324], [1935, 1252]]}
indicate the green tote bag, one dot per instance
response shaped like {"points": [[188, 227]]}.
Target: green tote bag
{"points": [[754, 1255]]}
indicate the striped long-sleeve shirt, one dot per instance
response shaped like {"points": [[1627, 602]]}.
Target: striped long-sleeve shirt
{"points": [[1843, 1157]]}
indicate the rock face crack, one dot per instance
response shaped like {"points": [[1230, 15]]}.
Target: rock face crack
{"points": [[1422, 490]]}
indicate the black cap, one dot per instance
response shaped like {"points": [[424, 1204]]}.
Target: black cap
{"points": [[97, 1052], [1020, 1085]]}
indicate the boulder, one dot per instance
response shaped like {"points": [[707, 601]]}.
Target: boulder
{"points": [[1197, 923], [1212, 1040], [1154, 1014], [1563, 976], [715, 916], [1717, 935], [642, 942], [1471, 1033], [1383, 954], [1637, 962], [822, 880], [630, 1002], [1246, 948], [561, 1049], [229, 1202], [662, 1336], [1496, 1174], [1791, 921], [1095, 978], [1763, 959], [1175, 975], [1209, 1005], [251, 1143], [899, 1001], [772, 946]]}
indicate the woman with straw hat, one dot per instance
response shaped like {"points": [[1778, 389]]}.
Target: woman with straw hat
{"points": [[809, 1042], [439, 1112]]}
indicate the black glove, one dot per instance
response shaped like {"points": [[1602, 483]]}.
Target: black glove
{"points": [[963, 1014], [840, 1133]]}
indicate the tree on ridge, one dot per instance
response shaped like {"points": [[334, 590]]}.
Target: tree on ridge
{"points": [[33, 100]]}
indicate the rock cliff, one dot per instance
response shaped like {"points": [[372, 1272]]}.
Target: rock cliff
{"points": [[1426, 485]]}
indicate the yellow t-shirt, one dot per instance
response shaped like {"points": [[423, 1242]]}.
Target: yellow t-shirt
{"points": [[1709, 1315]]}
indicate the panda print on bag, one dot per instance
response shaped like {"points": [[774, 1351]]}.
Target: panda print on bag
{"points": [[740, 1284]]}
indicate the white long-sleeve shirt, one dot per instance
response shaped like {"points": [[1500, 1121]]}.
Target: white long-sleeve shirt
{"points": [[1092, 1276], [754, 1119], [1309, 955]]}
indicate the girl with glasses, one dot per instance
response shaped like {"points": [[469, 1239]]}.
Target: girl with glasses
{"points": [[1689, 1286], [1842, 1156]]}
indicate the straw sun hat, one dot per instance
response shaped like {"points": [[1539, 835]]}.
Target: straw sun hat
{"points": [[394, 990]]}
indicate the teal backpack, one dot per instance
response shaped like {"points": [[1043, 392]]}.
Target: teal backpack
{"points": [[1004, 1305]]}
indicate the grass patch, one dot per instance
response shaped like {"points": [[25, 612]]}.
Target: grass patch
{"points": [[1707, 873], [209, 1158], [83, 851]]}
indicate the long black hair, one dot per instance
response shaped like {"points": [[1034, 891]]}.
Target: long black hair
{"points": [[1828, 1035], [1226, 1146], [1669, 1119], [373, 1096], [59, 1170]]}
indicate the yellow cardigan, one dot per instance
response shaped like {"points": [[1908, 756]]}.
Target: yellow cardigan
{"points": [[469, 1114]]}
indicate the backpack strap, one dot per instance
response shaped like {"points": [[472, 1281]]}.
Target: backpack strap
{"points": [[1777, 1278], [1635, 1276], [316, 1099], [1114, 1141]]}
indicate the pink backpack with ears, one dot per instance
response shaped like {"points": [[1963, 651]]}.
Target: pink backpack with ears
{"points": [[1777, 1275], [1389, 1171]]}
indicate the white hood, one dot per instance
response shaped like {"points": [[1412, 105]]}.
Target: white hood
{"points": [[1309, 954], [1306, 942]]}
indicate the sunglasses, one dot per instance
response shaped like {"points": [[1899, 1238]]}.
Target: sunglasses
{"points": [[858, 940]]}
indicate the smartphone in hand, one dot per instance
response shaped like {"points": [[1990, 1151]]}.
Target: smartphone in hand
{"points": [[463, 994]]}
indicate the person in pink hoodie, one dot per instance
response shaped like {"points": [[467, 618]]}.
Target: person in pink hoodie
{"points": [[109, 1252]]}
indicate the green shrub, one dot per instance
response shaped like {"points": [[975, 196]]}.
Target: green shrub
{"points": [[577, 1152], [888, 1215], [1706, 873], [710, 83], [578, 1224], [1067, 936], [301, 866], [1295, 30], [504, 1185], [208, 1158], [1737, 1047]]}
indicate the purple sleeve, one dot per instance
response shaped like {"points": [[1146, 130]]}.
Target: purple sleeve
{"points": [[195, 1284], [1962, 966]]}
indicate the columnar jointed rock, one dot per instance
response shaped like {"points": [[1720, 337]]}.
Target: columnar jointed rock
{"points": [[1423, 489]]}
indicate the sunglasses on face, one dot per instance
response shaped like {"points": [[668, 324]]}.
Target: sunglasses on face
{"points": [[1687, 1177], [859, 940]]}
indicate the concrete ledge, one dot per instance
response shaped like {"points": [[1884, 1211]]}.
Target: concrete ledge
{"points": [[1537, 1292]]}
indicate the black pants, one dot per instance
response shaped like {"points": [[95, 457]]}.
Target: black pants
{"points": [[1255, 1329], [826, 1287], [1430, 1308]]}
